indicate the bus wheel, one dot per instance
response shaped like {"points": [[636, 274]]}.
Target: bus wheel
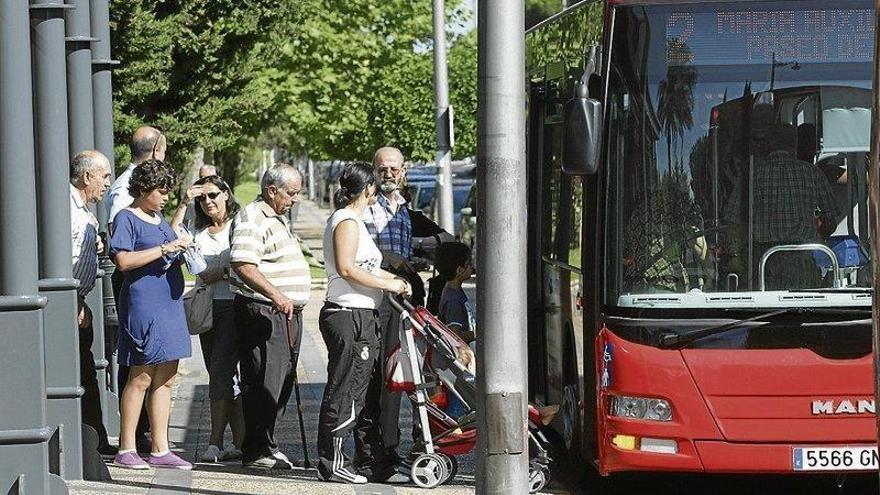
{"points": [[569, 415]]}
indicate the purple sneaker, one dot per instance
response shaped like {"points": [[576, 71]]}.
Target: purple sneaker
{"points": [[169, 461], [129, 460]]}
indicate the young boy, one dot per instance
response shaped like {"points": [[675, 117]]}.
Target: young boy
{"points": [[453, 263]]}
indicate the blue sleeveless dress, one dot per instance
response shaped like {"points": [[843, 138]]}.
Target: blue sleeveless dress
{"points": [[152, 324]]}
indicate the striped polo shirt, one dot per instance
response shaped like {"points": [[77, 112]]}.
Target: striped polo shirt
{"points": [[262, 237]]}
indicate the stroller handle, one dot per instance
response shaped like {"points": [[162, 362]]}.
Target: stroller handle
{"points": [[400, 304]]}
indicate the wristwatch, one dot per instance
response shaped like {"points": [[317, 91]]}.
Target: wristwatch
{"points": [[163, 247]]}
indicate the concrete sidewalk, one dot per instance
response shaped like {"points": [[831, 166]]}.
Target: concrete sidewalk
{"points": [[190, 427]]}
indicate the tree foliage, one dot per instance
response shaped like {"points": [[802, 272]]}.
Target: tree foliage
{"points": [[335, 78], [360, 76], [538, 10], [198, 68]]}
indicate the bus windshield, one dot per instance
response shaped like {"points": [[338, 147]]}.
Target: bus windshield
{"points": [[736, 155]]}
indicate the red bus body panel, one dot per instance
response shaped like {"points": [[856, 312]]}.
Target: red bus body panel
{"points": [[738, 410]]}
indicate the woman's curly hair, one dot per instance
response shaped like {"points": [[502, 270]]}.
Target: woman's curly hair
{"points": [[150, 175]]}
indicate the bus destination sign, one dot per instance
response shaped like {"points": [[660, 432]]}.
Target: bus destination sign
{"points": [[756, 37]]}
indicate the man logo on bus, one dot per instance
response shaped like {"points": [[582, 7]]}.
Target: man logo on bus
{"points": [[834, 407]]}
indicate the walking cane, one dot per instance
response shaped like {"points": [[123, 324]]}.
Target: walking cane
{"points": [[299, 408]]}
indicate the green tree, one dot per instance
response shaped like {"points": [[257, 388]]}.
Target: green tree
{"points": [[360, 76], [199, 69], [538, 10]]}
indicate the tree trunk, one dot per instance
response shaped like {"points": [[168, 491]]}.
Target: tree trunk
{"points": [[191, 170]]}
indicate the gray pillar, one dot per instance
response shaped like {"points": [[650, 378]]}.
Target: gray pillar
{"points": [[502, 451], [56, 281], [79, 77], [24, 434], [442, 122], [102, 90]]}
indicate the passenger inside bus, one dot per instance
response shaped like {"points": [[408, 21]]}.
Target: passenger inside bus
{"points": [[793, 204]]}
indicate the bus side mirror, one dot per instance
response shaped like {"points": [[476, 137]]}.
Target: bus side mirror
{"points": [[582, 135]]}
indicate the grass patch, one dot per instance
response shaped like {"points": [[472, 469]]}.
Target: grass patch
{"points": [[245, 192], [317, 272]]}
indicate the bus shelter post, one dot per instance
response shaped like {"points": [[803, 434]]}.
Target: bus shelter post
{"points": [[502, 451], [56, 281], [874, 214], [102, 105], [24, 433]]}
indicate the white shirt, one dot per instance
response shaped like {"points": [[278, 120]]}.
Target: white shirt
{"points": [[215, 249], [118, 197], [368, 258], [80, 218]]}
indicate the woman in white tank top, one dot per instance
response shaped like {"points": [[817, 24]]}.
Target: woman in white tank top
{"points": [[350, 328]]}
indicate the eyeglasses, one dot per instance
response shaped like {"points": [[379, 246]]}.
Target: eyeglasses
{"points": [[210, 195], [391, 170]]}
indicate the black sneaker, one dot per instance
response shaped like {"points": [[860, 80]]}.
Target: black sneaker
{"points": [[108, 450], [143, 445], [343, 475], [391, 477], [269, 463]]}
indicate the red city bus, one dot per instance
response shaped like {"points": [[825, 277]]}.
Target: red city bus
{"points": [[699, 275]]}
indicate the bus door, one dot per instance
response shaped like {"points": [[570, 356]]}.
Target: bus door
{"points": [[561, 240]]}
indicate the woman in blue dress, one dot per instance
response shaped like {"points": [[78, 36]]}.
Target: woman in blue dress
{"points": [[153, 335]]}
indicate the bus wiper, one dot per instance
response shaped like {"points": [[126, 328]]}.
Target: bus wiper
{"points": [[840, 290], [678, 341]]}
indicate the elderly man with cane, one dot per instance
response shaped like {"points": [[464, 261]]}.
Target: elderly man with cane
{"points": [[272, 283]]}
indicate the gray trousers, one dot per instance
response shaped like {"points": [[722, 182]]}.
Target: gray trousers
{"points": [[389, 403]]}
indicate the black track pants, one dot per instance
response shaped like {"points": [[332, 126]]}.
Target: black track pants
{"points": [[352, 339]]}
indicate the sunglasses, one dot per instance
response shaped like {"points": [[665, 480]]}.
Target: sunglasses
{"points": [[210, 195]]}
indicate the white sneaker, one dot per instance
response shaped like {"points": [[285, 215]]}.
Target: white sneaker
{"points": [[211, 454], [231, 453], [283, 458]]}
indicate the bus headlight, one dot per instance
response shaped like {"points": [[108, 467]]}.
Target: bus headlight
{"points": [[625, 406]]}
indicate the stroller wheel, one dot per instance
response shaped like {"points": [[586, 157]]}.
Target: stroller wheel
{"points": [[451, 466], [538, 477], [429, 470]]}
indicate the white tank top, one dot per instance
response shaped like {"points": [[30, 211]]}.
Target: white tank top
{"points": [[368, 258]]}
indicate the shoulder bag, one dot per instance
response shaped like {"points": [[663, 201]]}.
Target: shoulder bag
{"points": [[198, 306]]}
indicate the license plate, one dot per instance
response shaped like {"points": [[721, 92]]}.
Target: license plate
{"points": [[849, 458]]}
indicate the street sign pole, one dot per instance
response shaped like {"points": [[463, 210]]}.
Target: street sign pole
{"points": [[53, 205], [502, 449], [874, 214], [442, 122], [24, 434]]}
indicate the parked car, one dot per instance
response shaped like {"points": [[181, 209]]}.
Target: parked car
{"points": [[460, 190], [467, 223]]}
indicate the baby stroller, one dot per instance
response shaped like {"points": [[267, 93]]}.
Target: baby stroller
{"points": [[427, 363]]}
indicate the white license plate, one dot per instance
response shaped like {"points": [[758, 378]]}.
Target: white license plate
{"points": [[849, 458]]}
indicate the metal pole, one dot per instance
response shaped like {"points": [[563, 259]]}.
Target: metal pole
{"points": [[310, 164], [874, 213], [502, 451], [56, 279], [80, 114], [102, 86], [79, 78], [442, 121], [24, 434]]}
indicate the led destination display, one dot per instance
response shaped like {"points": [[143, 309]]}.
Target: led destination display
{"points": [[764, 36]]}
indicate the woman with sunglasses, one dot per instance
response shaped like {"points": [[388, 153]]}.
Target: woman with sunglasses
{"points": [[215, 207]]}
